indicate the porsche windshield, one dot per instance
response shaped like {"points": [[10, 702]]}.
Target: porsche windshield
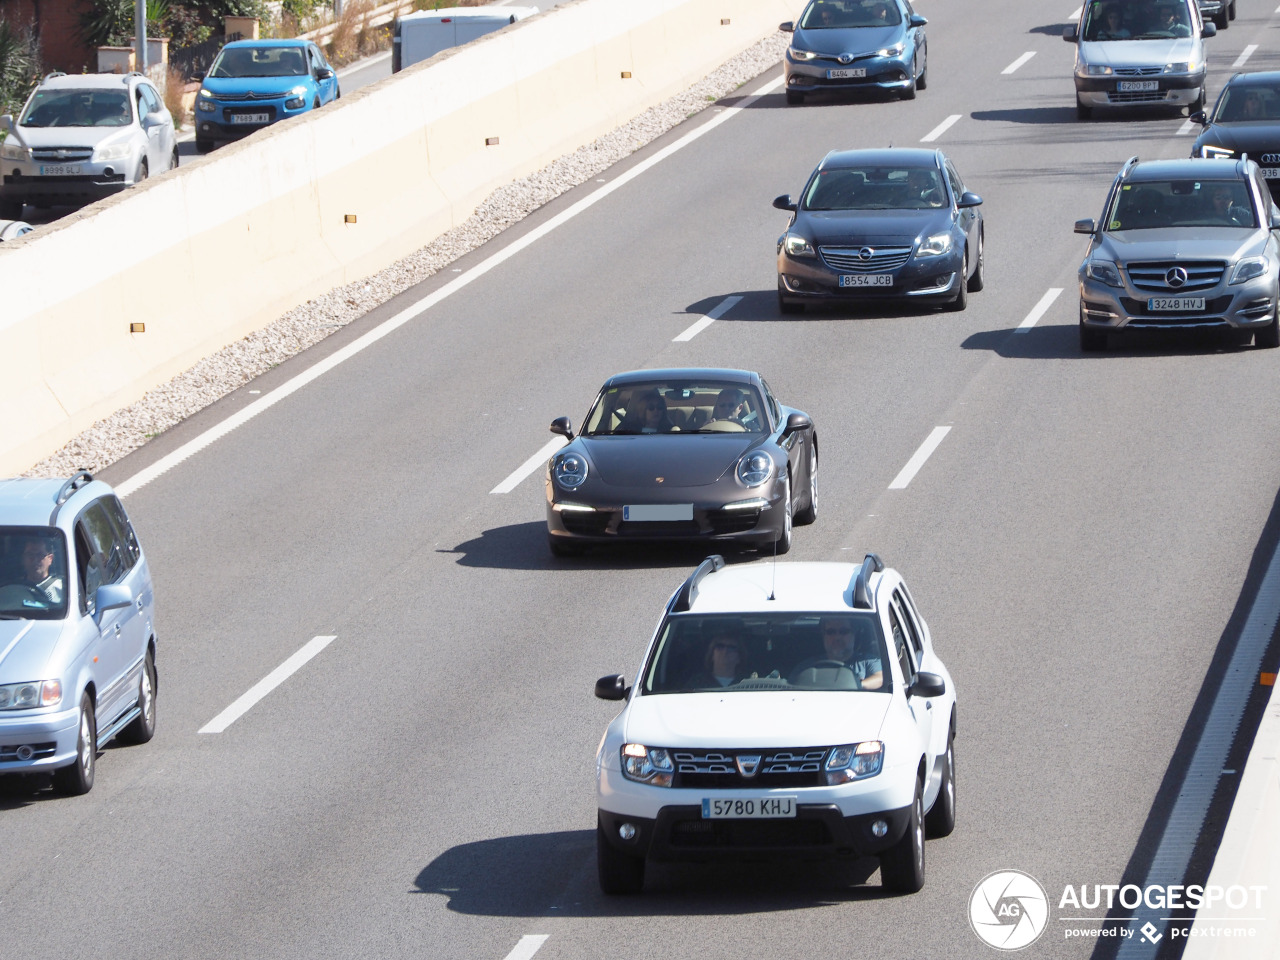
{"points": [[759, 652], [33, 573], [685, 407]]}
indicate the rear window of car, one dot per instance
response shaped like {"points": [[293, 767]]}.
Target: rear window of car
{"points": [[260, 62], [33, 573], [78, 108]]}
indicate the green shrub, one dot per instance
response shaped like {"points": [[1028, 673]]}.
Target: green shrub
{"points": [[20, 65]]}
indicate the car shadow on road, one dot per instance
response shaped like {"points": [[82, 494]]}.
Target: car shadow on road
{"points": [[523, 546], [514, 876], [1051, 29], [1062, 342], [762, 306]]}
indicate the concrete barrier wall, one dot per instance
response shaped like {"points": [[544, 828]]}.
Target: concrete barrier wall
{"points": [[217, 249]]}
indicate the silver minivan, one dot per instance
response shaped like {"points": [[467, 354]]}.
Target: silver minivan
{"points": [[1143, 53]]}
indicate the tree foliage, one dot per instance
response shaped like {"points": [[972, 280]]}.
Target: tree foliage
{"points": [[20, 65]]}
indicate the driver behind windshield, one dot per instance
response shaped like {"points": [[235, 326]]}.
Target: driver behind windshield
{"points": [[38, 570]]}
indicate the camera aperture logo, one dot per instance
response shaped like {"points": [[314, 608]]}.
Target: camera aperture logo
{"points": [[1009, 910]]}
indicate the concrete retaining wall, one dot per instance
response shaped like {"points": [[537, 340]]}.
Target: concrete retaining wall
{"points": [[213, 251]]}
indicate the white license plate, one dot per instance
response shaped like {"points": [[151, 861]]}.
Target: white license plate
{"points": [[658, 511], [1175, 303], [251, 118], [866, 280], [1271, 173], [849, 73], [60, 170], [1137, 86], [748, 808]]}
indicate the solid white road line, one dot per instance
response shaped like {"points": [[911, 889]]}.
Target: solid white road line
{"points": [[1019, 62], [529, 944], [940, 129], [1187, 127], [264, 686], [1185, 822], [721, 309], [168, 462], [530, 465], [916, 462], [1039, 310], [1245, 54], [1075, 14]]}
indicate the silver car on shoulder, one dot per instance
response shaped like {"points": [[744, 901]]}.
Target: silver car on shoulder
{"points": [[77, 629]]}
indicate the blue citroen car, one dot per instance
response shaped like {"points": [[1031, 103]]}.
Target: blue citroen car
{"points": [[254, 83], [856, 45]]}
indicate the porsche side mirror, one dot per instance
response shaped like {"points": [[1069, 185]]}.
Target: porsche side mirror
{"points": [[784, 203], [797, 421], [562, 426], [613, 687], [927, 685]]}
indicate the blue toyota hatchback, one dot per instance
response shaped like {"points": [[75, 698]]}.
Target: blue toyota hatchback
{"points": [[856, 45], [254, 83]]}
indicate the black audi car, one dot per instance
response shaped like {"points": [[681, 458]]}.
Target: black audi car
{"points": [[1245, 120], [697, 454], [891, 224]]}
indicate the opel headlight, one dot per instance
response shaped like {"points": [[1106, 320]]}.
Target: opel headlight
{"points": [[569, 470], [755, 468], [1216, 152], [893, 51], [1097, 70], [1248, 269], [795, 53], [934, 246], [647, 765], [12, 150], [798, 246], [28, 696], [854, 761], [1104, 271], [113, 151]]}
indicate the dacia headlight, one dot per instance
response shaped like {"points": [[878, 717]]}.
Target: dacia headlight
{"points": [[1249, 269], [1104, 271], [28, 696], [1182, 66], [12, 150], [755, 468], [795, 53], [854, 761], [1097, 70], [798, 246], [647, 765], [934, 246], [113, 151], [1215, 152], [570, 470], [893, 51]]}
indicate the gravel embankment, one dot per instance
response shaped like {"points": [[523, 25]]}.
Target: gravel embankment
{"points": [[235, 365]]}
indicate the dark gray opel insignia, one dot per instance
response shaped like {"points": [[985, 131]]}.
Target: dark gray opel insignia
{"points": [[698, 454], [890, 224]]}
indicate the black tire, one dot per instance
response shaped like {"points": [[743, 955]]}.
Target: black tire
{"points": [[1092, 341], [1222, 20], [941, 818], [788, 306], [316, 105], [560, 547], [1268, 337], [143, 172], [922, 81], [783, 543], [795, 97], [1231, 10], [909, 92], [1198, 105], [810, 512], [203, 146], [902, 865], [619, 874], [337, 92], [77, 779], [979, 278], [173, 160], [962, 295], [1083, 112], [144, 727], [11, 209]]}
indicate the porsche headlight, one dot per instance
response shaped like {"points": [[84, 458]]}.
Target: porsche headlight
{"points": [[1104, 271], [12, 150], [28, 696], [854, 761], [935, 246], [569, 470], [798, 246], [1215, 152], [755, 468], [113, 151], [1249, 269], [649, 765], [795, 53]]}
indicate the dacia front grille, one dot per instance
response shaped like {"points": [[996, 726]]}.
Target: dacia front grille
{"points": [[719, 769]]}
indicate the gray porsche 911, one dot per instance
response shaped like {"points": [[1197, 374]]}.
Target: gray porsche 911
{"points": [[698, 454]]}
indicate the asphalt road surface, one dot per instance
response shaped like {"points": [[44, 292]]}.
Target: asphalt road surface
{"points": [[1082, 542]]}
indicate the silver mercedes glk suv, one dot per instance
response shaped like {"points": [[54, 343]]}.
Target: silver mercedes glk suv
{"points": [[1182, 244]]}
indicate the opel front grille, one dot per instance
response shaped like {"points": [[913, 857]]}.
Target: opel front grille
{"points": [[867, 259]]}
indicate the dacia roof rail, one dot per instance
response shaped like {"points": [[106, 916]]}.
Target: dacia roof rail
{"points": [[861, 582], [78, 480], [689, 590]]}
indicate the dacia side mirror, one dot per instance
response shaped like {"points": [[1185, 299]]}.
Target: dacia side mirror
{"points": [[784, 202], [562, 426], [1086, 226], [927, 685], [1069, 34], [797, 421], [968, 199], [787, 27], [612, 687]]}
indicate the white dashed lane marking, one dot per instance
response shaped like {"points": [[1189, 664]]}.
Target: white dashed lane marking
{"points": [[530, 465], [703, 322], [940, 129], [918, 460], [529, 944], [1039, 310], [1019, 62], [264, 686], [1245, 54]]}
